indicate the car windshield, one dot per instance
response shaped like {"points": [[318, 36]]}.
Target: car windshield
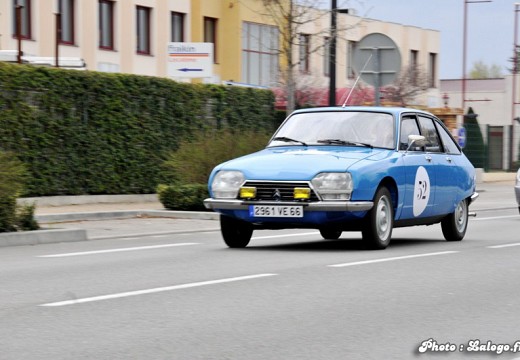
{"points": [[337, 128]]}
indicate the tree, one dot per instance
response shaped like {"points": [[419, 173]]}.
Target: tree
{"points": [[480, 70], [411, 82], [475, 148], [292, 17]]}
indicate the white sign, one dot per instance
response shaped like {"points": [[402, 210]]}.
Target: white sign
{"points": [[190, 60], [421, 191], [462, 136]]}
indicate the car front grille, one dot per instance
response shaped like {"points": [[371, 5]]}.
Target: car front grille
{"points": [[278, 191]]}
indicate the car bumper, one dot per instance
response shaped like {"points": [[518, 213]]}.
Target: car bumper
{"points": [[232, 204], [473, 197], [517, 193]]}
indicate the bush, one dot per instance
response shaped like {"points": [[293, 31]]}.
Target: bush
{"points": [[195, 158], [183, 197], [25, 220], [12, 177], [7, 214]]}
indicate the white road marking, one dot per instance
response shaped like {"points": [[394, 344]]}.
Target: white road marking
{"points": [[285, 235], [392, 259], [115, 250], [156, 290], [495, 217], [503, 246]]}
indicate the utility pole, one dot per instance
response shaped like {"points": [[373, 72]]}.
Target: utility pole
{"points": [[332, 53]]}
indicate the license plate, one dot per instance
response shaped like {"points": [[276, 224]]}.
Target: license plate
{"points": [[276, 211]]}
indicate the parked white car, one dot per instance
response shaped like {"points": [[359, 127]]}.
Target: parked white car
{"points": [[517, 189]]}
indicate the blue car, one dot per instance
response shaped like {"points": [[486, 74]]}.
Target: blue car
{"points": [[368, 169]]}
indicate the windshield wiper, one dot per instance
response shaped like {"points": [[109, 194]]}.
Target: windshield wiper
{"points": [[343, 142], [287, 139]]}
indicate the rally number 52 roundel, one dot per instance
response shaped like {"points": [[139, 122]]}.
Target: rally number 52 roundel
{"points": [[421, 192]]}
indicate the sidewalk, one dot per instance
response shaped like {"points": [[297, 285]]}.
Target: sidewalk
{"points": [[79, 218]]}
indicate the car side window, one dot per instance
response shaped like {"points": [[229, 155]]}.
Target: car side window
{"points": [[450, 146], [429, 131], [408, 127]]}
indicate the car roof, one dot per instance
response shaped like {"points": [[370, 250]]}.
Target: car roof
{"points": [[386, 109]]}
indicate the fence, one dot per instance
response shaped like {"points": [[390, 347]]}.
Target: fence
{"points": [[499, 149]]}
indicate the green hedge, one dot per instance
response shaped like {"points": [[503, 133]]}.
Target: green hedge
{"points": [[99, 133]]}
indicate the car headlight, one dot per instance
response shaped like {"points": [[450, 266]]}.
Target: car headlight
{"points": [[225, 184], [333, 186]]}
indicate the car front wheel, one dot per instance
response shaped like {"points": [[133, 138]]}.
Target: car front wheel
{"points": [[236, 233], [455, 224], [377, 231]]}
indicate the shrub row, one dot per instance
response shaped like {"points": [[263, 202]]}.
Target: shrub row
{"points": [[99, 133]]}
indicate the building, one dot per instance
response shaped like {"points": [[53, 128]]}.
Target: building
{"points": [[497, 107], [132, 36]]}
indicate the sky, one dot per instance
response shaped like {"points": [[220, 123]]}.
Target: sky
{"points": [[490, 28]]}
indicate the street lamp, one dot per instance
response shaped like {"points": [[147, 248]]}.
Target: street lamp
{"points": [[332, 50], [464, 48], [18, 10], [446, 99], [513, 84], [58, 33]]}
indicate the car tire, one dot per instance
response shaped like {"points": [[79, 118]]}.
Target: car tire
{"points": [[377, 231], [455, 224], [236, 233], [330, 234]]}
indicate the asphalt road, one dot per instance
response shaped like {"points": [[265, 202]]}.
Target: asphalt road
{"points": [[289, 295]]}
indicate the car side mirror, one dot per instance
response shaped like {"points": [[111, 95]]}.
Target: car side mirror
{"points": [[415, 140]]}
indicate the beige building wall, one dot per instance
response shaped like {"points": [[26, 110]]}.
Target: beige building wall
{"points": [[230, 15]]}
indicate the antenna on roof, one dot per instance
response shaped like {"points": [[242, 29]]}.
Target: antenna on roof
{"points": [[355, 83]]}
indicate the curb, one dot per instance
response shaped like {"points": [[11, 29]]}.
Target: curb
{"points": [[49, 236], [37, 237], [123, 236], [126, 214]]}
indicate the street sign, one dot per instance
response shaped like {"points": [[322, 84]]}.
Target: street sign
{"points": [[377, 59], [461, 135], [190, 60]]}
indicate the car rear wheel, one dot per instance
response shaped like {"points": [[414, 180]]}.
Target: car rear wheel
{"points": [[377, 231], [236, 233], [454, 225], [330, 234]]}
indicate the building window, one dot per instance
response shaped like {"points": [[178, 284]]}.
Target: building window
{"points": [[414, 56], [305, 43], [177, 27], [351, 47], [23, 17], [432, 73], [326, 56], [259, 54], [210, 34], [66, 10], [106, 24], [143, 30]]}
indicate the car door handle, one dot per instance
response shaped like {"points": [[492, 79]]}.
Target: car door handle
{"points": [[428, 158], [448, 159]]}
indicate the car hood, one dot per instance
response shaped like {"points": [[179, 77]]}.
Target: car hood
{"points": [[298, 163]]}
